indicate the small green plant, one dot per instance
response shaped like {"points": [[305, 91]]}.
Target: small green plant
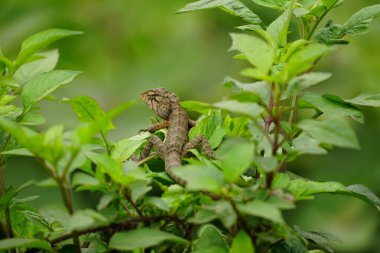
{"points": [[231, 204]]}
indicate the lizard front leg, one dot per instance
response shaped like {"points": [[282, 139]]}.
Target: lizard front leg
{"points": [[156, 126], [197, 141], [158, 145]]}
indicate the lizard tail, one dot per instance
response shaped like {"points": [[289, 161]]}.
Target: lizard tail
{"points": [[174, 160]]}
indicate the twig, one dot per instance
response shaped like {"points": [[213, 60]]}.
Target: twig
{"points": [[242, 223], [141, 162], [129, 199]]}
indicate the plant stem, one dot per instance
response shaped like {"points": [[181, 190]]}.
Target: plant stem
{"points": [[66, 195], [129, 199], [268, 118], [7, 213], [275, 118], [69, 163], [104, 137]]}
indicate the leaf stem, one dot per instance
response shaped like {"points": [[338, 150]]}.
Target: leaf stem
{"points": [[104, 137]]}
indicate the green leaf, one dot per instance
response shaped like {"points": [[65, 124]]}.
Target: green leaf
{"points": [[304, 189], [221, 209], [366, 100], [138, 190], [317, 11], [304, 81], [28, 71], [274, 4], [300, 12], [125, 148], [19, 133], [44, 84], [260, 88], [304, 59], [292, 244], [237, 127], [48, 182], [200, 178], [330, 105], [258, 52], [252, 110], [6, 81], [105, 200], [279, 28], [38, 41], [19, 152], [10, 111], [53, 146], [84, 219], [235, 156], [332, 131], [261, 209], [24, 243], [6, 99], [210, 127], [357, 25], [196, 106], [32, 119], [142, 238], [267, 164], [317, 238], [88, 110], [210, 240], [157, 202], [304, 144], [107, 165], [242, 243], [85, 181], [233, 7], [364, 193], [284, 202], [329, 3], [214, 249]]}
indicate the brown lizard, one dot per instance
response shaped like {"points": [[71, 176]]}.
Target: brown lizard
{"points": [[166, 105]]}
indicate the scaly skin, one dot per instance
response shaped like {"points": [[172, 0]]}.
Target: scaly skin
{"points": [[166, 105]]}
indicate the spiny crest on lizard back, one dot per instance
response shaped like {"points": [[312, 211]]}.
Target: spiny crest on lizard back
{"points": [[160, 101]]}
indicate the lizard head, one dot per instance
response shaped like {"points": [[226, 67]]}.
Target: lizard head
{"points": [[160, 101]]}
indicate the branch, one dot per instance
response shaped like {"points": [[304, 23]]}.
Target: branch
{"points": [[128, 223]]}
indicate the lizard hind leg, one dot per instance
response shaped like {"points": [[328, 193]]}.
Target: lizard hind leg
{"points": [[158, 145], [200, 140]]}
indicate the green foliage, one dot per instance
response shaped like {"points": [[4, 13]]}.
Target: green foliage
{"points": [[233, 7], [357, 25], [141, 238], [233, 203]]}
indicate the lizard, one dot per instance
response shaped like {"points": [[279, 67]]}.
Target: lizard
{"points": [[166, 105]]}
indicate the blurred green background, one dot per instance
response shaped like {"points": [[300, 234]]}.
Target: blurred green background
{"points": [[133, 45]]}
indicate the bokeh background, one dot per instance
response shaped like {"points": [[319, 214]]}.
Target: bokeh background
{"points": [[133, 45]]}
